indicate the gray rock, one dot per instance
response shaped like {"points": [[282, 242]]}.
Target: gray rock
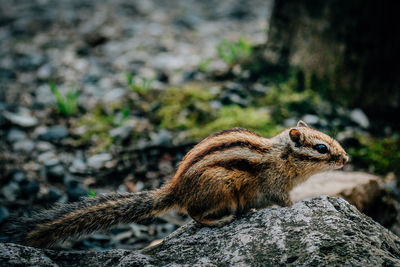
{"points": [[290, 122], [44, 95], [122, 236], [51, 162], [54, 133], [78, 166], [163, 137], [10, 191], [25, 146], [316, 232], [15, 135], [228, 99], [18, 176], [216, 104], [48, 158], [260, 89], [100, 237], [44, 146], [23, 118], [75, 190], [321, 231], [52, 195], [55, 173], [114, 95], [99, 160], [359, 117], [311, 119], [45, 71], [234, 94], [12, 255], [122, 132], [7, 74]]}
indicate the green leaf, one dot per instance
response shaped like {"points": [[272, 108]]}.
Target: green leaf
{"points": [[68, 104], [91, 193]]}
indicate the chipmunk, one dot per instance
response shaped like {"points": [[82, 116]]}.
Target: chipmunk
{"points": [[225, 175]]}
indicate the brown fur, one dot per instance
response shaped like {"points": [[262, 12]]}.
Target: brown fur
{"points": [[226, 174]]}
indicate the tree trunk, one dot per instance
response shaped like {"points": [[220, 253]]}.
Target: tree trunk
{"points": [[352, 45]]}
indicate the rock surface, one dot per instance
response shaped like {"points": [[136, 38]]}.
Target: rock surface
{"points": [[320, 231]]}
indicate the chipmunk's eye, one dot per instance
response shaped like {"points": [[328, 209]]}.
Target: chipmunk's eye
{"points": [[321, 148]]}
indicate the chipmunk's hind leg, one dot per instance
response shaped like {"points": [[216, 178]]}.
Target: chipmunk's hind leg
{"points": [[216, 218]]}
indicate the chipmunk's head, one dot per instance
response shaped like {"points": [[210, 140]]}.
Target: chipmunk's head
{"points": [[314, 151]]}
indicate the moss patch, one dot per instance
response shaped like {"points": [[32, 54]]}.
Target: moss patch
{"points": [[190, 109], [185, 108], [96, 126], [256, 119], [292, 96], [380, 155]]}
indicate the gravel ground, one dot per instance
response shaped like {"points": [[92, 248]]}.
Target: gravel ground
{"points": [[89, 45]]}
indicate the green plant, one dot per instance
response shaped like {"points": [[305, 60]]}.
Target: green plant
{"points": [[189, 110], [97, 124], [91, 193], [140, 86], [291, 96], [379, 155], [184, 108], [234, 52], [66, 104], [256, 119], [204, 64]]}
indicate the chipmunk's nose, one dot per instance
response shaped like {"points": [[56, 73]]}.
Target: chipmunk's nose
{"points": [[345, 159]]}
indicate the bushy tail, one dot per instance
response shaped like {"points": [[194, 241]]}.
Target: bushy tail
{"points": [[89, 215]]}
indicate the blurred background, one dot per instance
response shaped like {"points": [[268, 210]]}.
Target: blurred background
{"points": [[102, 96]]}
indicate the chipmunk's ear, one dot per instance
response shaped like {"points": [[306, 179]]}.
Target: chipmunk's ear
{"points": [[302, 124], [296, 136]]}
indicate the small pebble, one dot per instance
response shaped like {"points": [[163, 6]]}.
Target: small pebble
{"points": [[54, 134], [44, 146], [15, 135], [23, 119], [311, 119], [10, 191], [98, 161], [47, 157], [78, 166], [52, 162], [359, 117], [163, 137], [52, 195], [29, 188], [114, 95], [55, 173], [100, 237], [25, 146], [123, 236], [18, 176], [122, 132], [75, 191]]}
